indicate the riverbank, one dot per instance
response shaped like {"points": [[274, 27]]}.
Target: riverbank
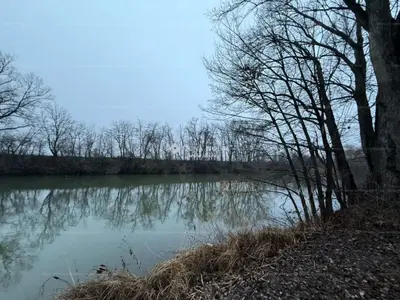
{"points": [[354, 256], [346, 264], [67, 165]]}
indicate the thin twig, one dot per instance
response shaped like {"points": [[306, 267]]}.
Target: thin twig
{"points": [[70, 274], [151, 250]]}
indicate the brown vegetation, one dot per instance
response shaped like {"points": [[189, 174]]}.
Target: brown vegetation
{"points": [[197, 273], [173, 279]]}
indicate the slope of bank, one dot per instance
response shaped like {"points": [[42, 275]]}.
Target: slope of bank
{"points": [[68, 165], [354, 261], [346, 264]]}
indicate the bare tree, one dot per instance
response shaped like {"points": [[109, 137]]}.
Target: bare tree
{"points": [[19, 143], [56, 125], [183, 146], [123, 132], [76, 137], [283, 69], [20, 96], [200, 137], [375, 17], [146, 136], [89, 139], [227, 139], [167, 142], [105, 144], [157, 136], [38, 142]]}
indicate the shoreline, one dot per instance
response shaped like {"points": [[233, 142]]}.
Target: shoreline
{"points": [[174, 278], [27, 165], [269, 263]]}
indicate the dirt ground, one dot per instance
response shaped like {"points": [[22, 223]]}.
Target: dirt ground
{"points": [[340, 264]]}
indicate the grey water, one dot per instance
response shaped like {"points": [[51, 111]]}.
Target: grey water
{"points": [[67, 226]]}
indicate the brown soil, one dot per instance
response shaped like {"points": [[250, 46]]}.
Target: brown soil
{"points": [[344, 264]]}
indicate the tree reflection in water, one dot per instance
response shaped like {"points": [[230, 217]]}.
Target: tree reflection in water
{"points": [[30, 219]]}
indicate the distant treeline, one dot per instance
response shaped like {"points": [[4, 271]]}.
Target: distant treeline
{"points": [[72, 165]]}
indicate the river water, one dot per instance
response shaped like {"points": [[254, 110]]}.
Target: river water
{"points": [[68, 226]]}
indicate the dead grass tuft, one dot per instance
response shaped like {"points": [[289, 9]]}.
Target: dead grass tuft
{"points": [[173, 279]]}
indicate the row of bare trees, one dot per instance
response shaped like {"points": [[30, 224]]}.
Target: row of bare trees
{"points": [[56, 133], [31, 123]]}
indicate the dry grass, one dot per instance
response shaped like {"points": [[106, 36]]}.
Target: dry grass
{"points": [[375, 212], [173, 279]]}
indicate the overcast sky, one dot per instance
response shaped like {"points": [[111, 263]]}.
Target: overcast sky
{"points": [[108, 60]]}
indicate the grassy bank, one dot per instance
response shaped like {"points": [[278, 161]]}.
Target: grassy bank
{"points": [[49, 165], [173, 279], [246, 259]]}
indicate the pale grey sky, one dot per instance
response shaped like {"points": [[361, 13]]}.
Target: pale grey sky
{"points": [[109, 60]]}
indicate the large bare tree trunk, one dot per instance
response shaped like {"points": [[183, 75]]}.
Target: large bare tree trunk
{"points": [[385, 56], [385, 61]]}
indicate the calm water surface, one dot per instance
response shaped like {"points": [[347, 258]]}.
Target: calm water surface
{"points": [[55, 225]]}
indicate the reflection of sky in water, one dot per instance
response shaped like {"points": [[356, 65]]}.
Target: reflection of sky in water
{"points": [[43, 232]]}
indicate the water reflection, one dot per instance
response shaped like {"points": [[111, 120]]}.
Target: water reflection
{"points": [[31, 219]]}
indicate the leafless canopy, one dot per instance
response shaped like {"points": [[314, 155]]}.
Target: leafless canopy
{"points": [[20, 95]]}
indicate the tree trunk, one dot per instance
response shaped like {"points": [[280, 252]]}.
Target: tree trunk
{"points": [[385, 61], [367, 130], [384, 43], [337, 146]]}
